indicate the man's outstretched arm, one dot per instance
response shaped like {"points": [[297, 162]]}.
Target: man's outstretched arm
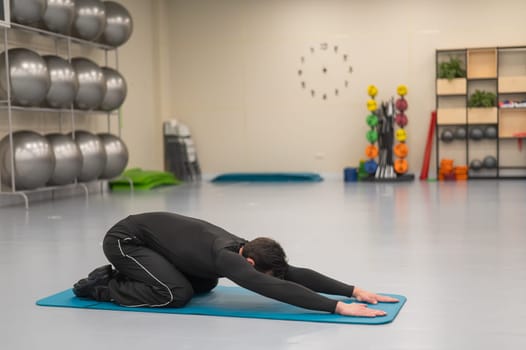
{"points": [[318, 282], [239, 271], [324, 284]]}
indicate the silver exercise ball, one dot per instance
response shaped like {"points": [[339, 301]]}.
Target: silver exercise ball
{"points": [[93, 155], [119, 24], [89, 20], [34, 160], [92, 86], [116, 155], [29, 77], [64, 83], [68, 159], [116, 89], [27, 11], [59, 16]]}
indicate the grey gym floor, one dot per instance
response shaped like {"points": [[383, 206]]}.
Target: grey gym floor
{"points": [[456, 250]]}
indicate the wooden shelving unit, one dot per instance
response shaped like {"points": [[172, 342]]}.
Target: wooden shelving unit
{"points": [[502, 71]]}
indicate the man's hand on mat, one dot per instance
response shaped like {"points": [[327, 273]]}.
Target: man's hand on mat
{"points": [[371, 298], [357, 309]]}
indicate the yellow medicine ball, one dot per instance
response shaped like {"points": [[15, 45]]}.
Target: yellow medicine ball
{"points": [[401, 135], [371, 105], [372, 90], [402, 90]]}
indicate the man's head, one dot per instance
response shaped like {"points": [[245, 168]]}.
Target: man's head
{"points": [[267, 255]]}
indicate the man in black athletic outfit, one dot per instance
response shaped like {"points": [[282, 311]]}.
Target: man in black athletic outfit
{"points": [[162, 259]]}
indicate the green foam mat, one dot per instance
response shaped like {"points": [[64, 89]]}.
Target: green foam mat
{"points": [[143, 180]]}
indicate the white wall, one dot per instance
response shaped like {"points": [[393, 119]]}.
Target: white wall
{"points": [[138, 62], [233, 78]]}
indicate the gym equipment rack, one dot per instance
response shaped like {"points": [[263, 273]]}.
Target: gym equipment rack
{"points": [[502, 71], [6, 105]]}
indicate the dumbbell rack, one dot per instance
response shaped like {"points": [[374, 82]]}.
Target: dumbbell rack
{"points": [[72, 112]]}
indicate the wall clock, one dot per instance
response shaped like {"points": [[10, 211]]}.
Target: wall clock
{"points": [[325, 71]]}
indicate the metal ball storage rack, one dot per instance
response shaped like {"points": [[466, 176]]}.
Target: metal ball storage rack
{"points": [[6, 105]]}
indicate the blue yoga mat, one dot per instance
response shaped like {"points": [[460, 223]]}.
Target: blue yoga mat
{"points": [[268, 177], [233, 302]]}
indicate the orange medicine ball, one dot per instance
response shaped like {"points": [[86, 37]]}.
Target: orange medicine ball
{"points": [[401, 166], [371, 151], [401, 150]]}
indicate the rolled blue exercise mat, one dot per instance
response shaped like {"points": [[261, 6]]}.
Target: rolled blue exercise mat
{"points": [[268, 177]]}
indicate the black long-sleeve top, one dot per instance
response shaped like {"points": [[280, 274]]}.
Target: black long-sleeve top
{"points": [[201, 249]]}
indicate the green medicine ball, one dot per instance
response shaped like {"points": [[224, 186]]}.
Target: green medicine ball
{"points": [[372, 136], [372, 120]]}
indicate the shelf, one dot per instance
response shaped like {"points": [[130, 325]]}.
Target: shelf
{"points": [[512, 48], [511, 137], [101, 183], [482, 63], [449, 51], [482, 177], [451, 95], [54, 110], [516, 84], [482, 115], [471, 80], [451, 116], [453, 87], [512, 167], [60, 36], [512, 108], [24, 193], [514, 173]]}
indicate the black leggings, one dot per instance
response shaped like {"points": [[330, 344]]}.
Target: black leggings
{"points": [[146, 278]]}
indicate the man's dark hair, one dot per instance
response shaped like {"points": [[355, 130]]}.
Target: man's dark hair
{"points": [[267, 255]]}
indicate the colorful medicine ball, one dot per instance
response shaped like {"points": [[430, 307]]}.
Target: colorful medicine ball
{"points": [[401, 104]]}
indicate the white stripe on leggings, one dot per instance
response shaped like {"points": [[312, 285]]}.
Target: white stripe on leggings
{"points": [[149, 273]]}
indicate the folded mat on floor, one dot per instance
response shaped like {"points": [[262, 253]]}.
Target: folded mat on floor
{"points": [[234, 302], [268, 177], [143, 180]]}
